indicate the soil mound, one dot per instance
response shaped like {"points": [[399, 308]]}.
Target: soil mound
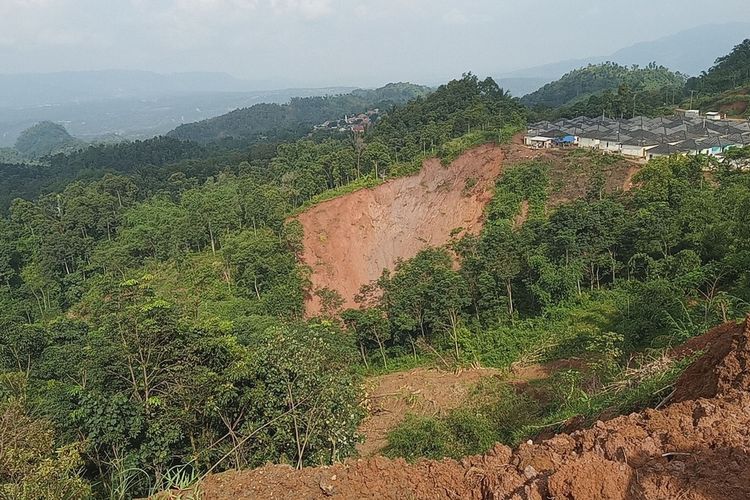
{"points": [[350, 240], [724, 366], [693, 449]]}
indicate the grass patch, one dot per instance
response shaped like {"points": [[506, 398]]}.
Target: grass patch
{"points": [[365, 182], [498, 412], [396, 363], [451, 150]]}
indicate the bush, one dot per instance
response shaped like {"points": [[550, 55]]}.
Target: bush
{"points": [[419, 437], [494, 413]]}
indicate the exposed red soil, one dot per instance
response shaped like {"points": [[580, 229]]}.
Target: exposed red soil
{"points": [[698, 448], [725, 364], [718, 336], [350, 240], [420, 391]]}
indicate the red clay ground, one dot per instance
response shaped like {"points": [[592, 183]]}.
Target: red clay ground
{"points": [[698, 448], [350, 240]]}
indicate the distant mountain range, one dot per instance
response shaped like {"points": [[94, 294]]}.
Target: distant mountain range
{"points": [[123, 104], [689, 52], [127, 104]]}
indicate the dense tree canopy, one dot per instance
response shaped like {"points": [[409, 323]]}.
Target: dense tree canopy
{"points": [[300, 114], [728, 72], [580, 84]]}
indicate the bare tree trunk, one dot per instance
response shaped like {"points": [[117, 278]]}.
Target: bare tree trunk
{"points": [[382, 348], [297, 439], [211, 234], [364, 356], [509, 288], [453, 315]]}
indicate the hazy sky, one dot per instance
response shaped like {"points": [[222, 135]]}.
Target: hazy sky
{"points": [[322, 42]]}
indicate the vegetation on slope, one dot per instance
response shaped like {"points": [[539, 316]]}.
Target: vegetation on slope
{"points": [[580, 84], [728, 72], [600, 279], [45, 138], [152, 306], [617, 91], [726, 85]]}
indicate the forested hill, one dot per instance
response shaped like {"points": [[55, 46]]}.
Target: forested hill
{"points": [[152, 310], [151, 298], [596, 78], [728, 72], [46, 138], [651, 91], [300, 114], [725, 86]]}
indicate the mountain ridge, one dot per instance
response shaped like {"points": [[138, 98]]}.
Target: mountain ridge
{"points": [[688, 51]]}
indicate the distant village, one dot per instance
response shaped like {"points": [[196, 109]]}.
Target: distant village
{"points": [[689, 133], [355, 123]]}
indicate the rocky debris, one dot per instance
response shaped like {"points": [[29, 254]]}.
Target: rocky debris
{"points": [[724, 365]]}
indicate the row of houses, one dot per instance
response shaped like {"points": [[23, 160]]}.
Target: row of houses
{"points": [[642, 137]]}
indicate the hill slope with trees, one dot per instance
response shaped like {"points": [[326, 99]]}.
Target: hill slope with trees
{"points": [[651, 91], [300, 114], [44, 139], [726, 85], [593, 79]]}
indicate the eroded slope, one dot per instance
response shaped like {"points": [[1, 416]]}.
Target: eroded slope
{"points": [[350, 240]]}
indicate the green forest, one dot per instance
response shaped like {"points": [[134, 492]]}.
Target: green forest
{"points": [[152, 301], [618, 91], [582, 83], [299, 115], [152, 296]]}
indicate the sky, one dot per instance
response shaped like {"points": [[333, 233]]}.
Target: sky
{"points": [[332, 42]]}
